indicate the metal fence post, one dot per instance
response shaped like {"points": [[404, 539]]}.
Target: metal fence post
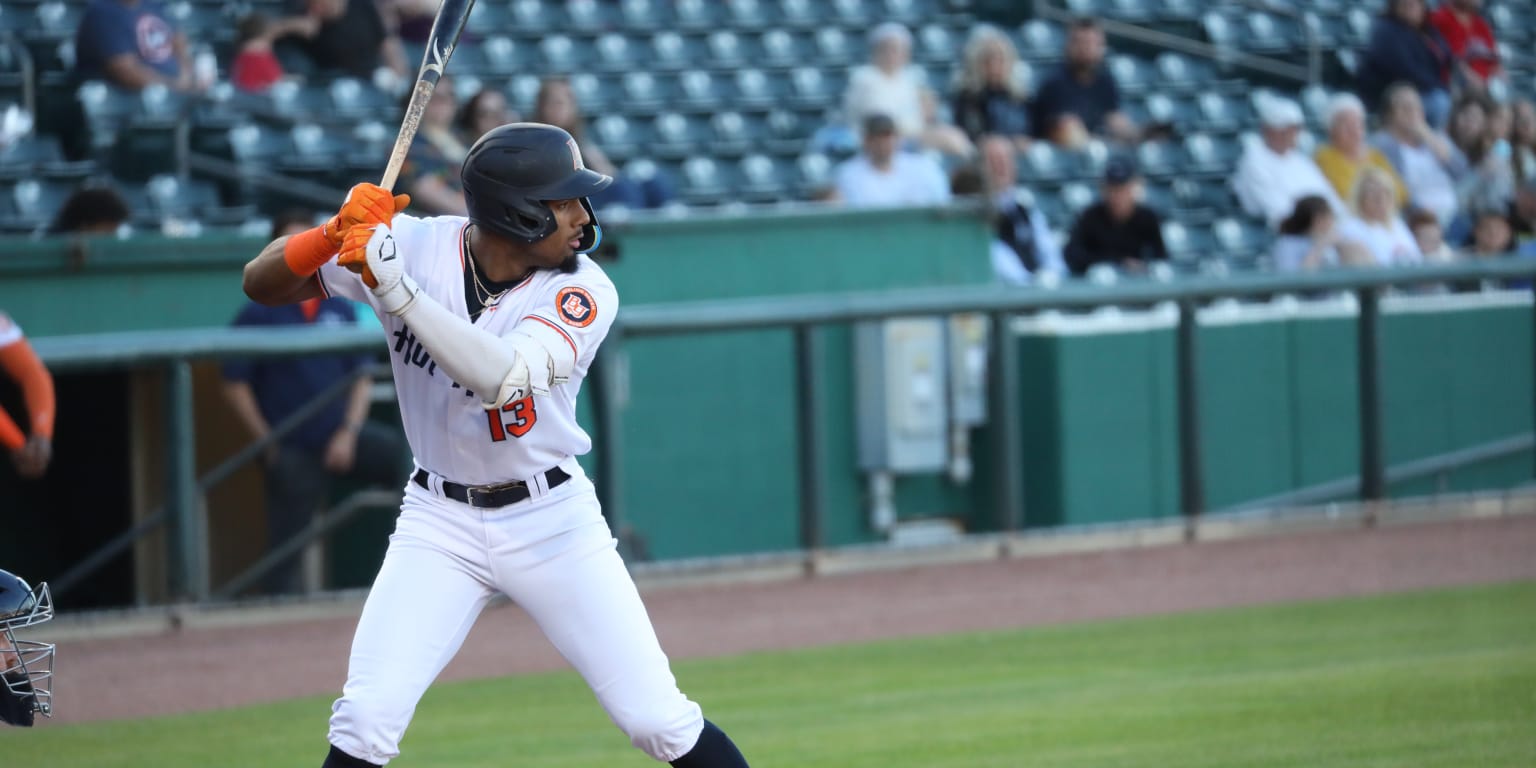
{"points": [[1368, 346], [1191, 467], [188, 544], [1003, 413], [808, 438]]}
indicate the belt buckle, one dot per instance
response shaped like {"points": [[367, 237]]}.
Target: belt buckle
{"points": [[476, 491]]}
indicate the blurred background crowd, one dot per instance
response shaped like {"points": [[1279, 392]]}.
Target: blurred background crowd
{"points": [[1410, 137]]}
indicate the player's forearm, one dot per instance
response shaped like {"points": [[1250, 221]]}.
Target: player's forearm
{"points": [[358, 402], [475, 358], [269, 280], [27, 370]]}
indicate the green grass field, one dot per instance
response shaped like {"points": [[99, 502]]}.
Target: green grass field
{"points": [[1444, 679]]}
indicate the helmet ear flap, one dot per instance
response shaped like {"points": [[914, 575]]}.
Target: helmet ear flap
{"points": [[592, 233]]}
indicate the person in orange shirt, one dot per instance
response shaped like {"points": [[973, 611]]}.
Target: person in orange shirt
{"points": [[30, 452]]}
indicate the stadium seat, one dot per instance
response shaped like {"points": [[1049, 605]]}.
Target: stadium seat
{"points": [[801, 13], [780, 48], [1178, 10], [495, 18], [1268, 34], [809, 86], [524, 90], [1177, 240], [590, 92], [351, 98], [1209, 154], [614, 53], [584, 14], [23, 157], [1358, 22], [670, 51], [695, 14], [641, 14], [704, 181], [535, 14], [1044, 162], [725, 49], [746, 14], [935, 43], [1040, 40], [833, 47], [698, 88], [559, 53], [1182, 72], [615, 134], [1158, 158], [1133, 11], [169, 196], [851, 12], [642, 91], [762, 179], [676, 136], [815, 173], [1129, 72], [754, 89], [499, 56], [1221, 113], [1077, 196], [904, 11], [1313, 25], [1239, 242], [733, 134], [786, 132], [34, 204]]}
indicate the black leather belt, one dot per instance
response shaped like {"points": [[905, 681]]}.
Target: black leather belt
{"points": [[490, 496]]}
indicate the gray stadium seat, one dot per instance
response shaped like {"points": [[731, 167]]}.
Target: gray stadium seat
{"points": [[1044, 162], [834, 48], [732, 133], [809, 86], [641, 14], [1358, 22], [904, 11], [704, 181], [786, 132], [747, 14], [1040, 40], [670, 51], [762, 179], [695, 14], [524, 90], [584, 14], [499, 55], [559, 53], [615, 134], [725, 48], [590, 93], [801, 13], [677, 136], [753, 88], [1130, 73], [535, 14], [699, 88], [815, 173], [614, 52], [851, 12], [1076, 197], [642, 91], [935, 43], [781, 48]]}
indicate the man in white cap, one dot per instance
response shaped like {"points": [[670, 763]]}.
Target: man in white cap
{"points": [[1272, 173]]}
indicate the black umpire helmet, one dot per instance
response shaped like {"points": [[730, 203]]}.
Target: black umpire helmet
{"points": [[513, 170]]}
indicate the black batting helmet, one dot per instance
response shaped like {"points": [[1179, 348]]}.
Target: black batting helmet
{"points": [[514, 169], [26, 666]]}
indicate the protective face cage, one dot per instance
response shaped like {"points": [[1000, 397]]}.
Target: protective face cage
{"points": [[27, 664]]}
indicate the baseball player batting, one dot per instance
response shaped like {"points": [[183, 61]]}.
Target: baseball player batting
{"points": [[493, 321]]}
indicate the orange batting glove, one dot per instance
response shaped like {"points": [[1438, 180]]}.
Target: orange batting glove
{"points": [[354, 253], [366, 204]]}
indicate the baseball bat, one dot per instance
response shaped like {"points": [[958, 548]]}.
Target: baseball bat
{"points": [[446, 27]]}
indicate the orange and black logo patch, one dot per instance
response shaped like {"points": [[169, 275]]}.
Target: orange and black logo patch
{"points": [[576, 306]]}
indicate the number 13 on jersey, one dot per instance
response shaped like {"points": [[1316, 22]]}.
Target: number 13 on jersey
{"points": [[523, 419]]}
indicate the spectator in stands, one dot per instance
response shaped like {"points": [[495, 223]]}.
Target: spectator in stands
{"points": [[1522, 212], [336, 441], [91, 210], [1022, 245], [1309, 239], [1117, 230], [991, 100], [1272, 175], [885, 175], [1424, 158], [132, 44], [1346, 153], [1376, 223], [430, 173], [1471, 41], [256, 67], [1405, 48], [31, 451], [556, 104], [352, 38], [1480, 130], [889, 85], [1492, 236], [1523, 140], [1429, 235], [483, 111], [1081, 99]]}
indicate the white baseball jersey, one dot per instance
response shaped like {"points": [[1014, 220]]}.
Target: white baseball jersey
{"points": [[10, 332], [449, 431]]}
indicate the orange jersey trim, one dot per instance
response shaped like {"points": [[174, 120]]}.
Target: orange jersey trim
{"points": [[561, 331]]}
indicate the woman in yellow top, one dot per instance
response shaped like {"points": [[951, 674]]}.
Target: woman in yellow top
{"points": [[1346, 151]]}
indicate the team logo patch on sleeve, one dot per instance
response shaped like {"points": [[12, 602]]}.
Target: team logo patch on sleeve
{"points": [[576, 306]]}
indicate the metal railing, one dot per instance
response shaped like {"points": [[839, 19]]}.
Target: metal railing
{"points": [[174, 351], [804, 313]]}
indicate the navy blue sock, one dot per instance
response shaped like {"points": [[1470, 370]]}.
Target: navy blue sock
{"points": [[714, 750], [340, 759]]}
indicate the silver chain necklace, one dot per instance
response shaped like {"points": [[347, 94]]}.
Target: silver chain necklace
{"points": [[484, 295]]}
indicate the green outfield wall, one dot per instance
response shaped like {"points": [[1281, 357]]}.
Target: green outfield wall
{"points": [[709, 420]]}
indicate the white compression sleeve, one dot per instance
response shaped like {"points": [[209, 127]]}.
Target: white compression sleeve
{"points": [[477, 359]]}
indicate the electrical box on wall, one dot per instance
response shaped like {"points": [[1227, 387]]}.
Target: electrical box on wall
{"points": [[968, 369], [902, 376]]}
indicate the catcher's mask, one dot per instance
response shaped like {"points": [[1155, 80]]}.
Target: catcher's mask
{"points": [[26, 666]]}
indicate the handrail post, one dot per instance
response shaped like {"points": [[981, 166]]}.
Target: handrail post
{"points": [[188, 545], [1003, 413], [608, 418], [1368, 361], [1191, 467], [808, 398]]}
